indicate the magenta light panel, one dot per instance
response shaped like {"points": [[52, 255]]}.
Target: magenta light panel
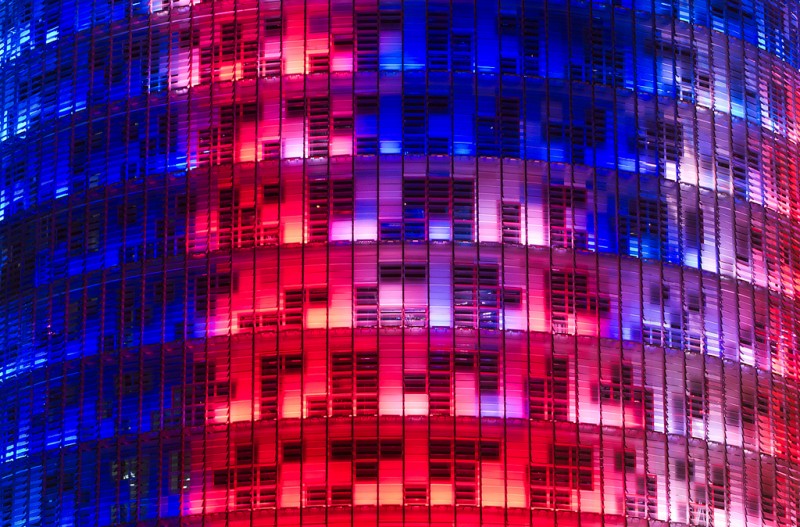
{"points": [[420, 262]]}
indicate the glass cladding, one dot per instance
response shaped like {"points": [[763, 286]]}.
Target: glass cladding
{"points": [[360, 262]]}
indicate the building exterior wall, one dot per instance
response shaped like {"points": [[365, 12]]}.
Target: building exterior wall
{"points": [[334, 262]]}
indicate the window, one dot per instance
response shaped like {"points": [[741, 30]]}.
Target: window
{"points": [[625, 461], [292, 362], [463, 210], [409, 272], [366, 26], [549, 395], [642, 500], [318, 295], [465, 472], [643, 229], [603, 61], [571, 468], [490, 450], [341, 495], [367, 383], [342, 197], [366, 108], [510, 129], [511, 222], [439, 382], [476, 287], [693, 228], [570, 294], [661, 141], [415, 495], [341, 450], [695, 407], [414, 129], [341, 391], [215, 144], [574, 467], [619, 388], [318, 122], [487, 136], [272, 193], [415, 383], [489, 371], [441, 462], [414, 209], [269, 387], [717, 484], [318, 210], [292, 451], [391, 449], [531, 45], [316, 496], [367, 470], [366, 300], [438, 25], [565, 205], [293, 307]]}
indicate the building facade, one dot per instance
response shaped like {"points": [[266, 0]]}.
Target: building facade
{"points": [[418, 262]]}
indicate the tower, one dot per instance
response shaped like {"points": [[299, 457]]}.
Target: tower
{"points": [[443, 262]]}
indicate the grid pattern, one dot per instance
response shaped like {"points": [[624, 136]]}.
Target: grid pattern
{"points": [[418, 262]]}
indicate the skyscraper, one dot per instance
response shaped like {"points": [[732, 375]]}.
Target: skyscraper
{"points": [[418, 262]]}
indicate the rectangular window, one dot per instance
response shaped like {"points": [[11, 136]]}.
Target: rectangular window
{"points": [[511, 214], [366, 300], [318, 210], [342, 194], [569, 295], [293, 307], [549, 397], [366, 41], [439, 382], [438, 26], [366, 383], [409, 272], [318, 124], [565, 205], [341, 394], [463, 210], [414, 209], [269, 387]]}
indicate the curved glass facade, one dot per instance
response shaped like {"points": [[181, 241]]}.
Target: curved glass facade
{"points": [[419, 262]]}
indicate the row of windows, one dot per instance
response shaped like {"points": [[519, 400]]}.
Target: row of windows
{"points": [[319, 467], [42, 22], [529, 205], [595, 46], [341, 287], [318, 376], [600, 128]]}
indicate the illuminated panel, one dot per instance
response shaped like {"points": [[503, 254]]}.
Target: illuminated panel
{"points": [[462, 262]]}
